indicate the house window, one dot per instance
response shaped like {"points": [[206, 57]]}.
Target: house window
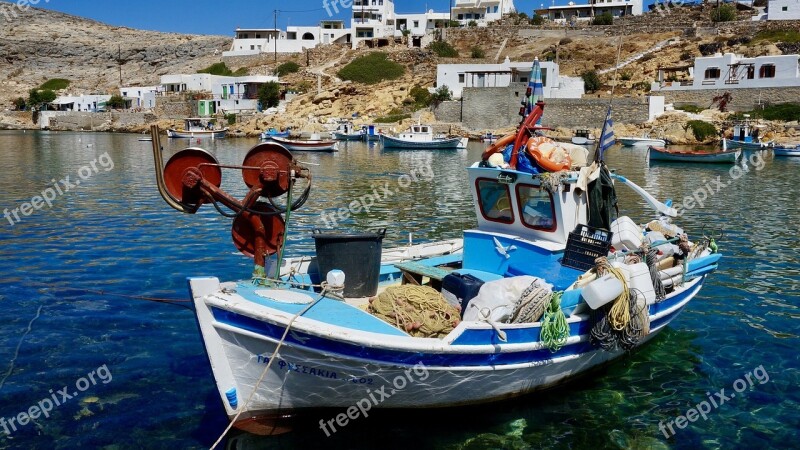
{"points": [[416, 24], [460, 17], [252, 47], [751, 72], [767, 71], [785, 8], [461, 78], [712, 73]]}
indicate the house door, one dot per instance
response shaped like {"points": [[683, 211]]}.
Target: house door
{"points": [[481, 80]]}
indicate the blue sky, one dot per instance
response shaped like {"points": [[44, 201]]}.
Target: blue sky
{"points": [[222, 17]]}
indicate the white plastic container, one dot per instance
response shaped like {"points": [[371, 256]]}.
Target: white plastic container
{"points": [[627, 234], [602, 291], [667, 249], [639, 276]]}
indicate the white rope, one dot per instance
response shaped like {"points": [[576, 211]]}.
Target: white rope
{"points": [[266, 369], [19, 345]]}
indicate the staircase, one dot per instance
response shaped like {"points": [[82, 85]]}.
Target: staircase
{"points": [[638, 56]]}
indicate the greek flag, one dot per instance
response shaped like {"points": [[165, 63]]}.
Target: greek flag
{"points": [[607, 139]]}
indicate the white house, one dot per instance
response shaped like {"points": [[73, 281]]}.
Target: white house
{"points": [[232, 94], [372, 19], [254, 41], [460, 76], [783, 10], [140, 96], [730, 71], [572, 12], [83, 103], [420, 27], [481, 11]]}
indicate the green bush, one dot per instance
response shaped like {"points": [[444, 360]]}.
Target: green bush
{"points": [[37, 97], [626, 75], [690, 109], [116, 102], [477, 53], [56, 84], [472, 23], [454, 24], [287, 68], [591, 82], [223, 70], [420, 96], [241, 72], [787, 36], [642, 86], [442, 94], [392, 118], [603, 19], [443, 49], [786, 112], [20, 103], [537, 20], [230, 118], [701, 130], [724, 13], [371, 69], [269, 95]]}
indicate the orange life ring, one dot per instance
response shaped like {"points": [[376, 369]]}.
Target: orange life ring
{"points": [[498, 146], [544, 154]]}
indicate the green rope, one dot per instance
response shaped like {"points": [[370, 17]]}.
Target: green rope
{"points": [[555, 330]]}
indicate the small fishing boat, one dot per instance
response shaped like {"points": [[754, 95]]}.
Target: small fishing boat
{"points": [[583, 137], [489, 138], [787, 150], [311, 145], [521, 304], [200, 128], [370, 133], [722, 156], [347, 132], [273, 132], [747, 136], [643, 141], [422, 137]]}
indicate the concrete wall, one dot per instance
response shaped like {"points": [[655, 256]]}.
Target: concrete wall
{"points": [[448, 112], [73, 121], [742, 99]]}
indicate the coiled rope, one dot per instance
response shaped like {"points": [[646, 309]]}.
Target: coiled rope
{"points": [[620, 315], [625, 322], [531, 304], [555, 330], [419, 310], [651, 258]]}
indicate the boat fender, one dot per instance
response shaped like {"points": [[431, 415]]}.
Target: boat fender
{"points": [[233, 399]]}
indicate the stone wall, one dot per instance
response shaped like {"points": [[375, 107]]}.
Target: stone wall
{"points": [[449, 112], [741, 99], [590, 112], [175, 107]]}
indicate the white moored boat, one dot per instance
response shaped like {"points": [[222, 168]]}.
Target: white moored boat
{"points": [[311, 145], [200, 128], [422, 137], [282, 345], [644, 141]]}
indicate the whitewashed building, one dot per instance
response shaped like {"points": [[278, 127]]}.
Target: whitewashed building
{"points": [[296, 39], [481, 11], [372, 20], [783, 10], [82, 103], [459, 76], [730, 71], [228, 94], [140, 96], [573, 12]]}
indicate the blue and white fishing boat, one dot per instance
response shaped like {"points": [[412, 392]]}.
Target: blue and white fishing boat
{"points": [[747, 136], [347, 132], [273, 132], [200, 128], [290, 339], [370, 133], [787, 150], [422, 137], [718, 157]]}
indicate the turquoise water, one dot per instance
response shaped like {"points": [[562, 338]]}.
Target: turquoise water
{"points": [[152, 385]]}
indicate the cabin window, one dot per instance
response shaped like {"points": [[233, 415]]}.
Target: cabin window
{"points": [[751, 72], [537, 207], [712, 73], [495, 201], [767, 71]]}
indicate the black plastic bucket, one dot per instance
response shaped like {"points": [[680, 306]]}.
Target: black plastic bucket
{"points": [[358, 255]]}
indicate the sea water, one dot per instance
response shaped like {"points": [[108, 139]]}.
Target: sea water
{"points": [[102, 371]]}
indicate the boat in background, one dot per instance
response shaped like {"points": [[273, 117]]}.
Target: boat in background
{"points": [[198, 127], [272, 132], [422, 137], [583, 137], [785, 150], [347, 132], [722, 156], [643, 141], [370, 133], [747, 136], [489, 138], [315, 144]]}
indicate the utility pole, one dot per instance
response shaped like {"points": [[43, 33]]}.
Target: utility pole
{"points": [[277, 35]]}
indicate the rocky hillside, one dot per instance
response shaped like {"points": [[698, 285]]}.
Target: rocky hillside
{"points": [[40, 45]]}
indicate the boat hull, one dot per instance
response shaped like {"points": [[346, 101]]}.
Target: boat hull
{"points": [[439, 144], [793, 151], [307, 146], [640, 142], [660, 154], [216, 134], [582, 141], [348, 137], [731, 143], [323, 367]]}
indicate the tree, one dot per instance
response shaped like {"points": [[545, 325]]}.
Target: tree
{"points": [[116, 102], [591, 81], [269, 95], [20, 104], [38, 98], [442, 94], [537, 20], [722, 101], [603, 19]]}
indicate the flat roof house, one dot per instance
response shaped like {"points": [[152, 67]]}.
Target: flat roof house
{"points": [[730, 71], [573, 12]]}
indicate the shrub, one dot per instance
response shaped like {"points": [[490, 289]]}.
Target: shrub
{"points": [[591, 82], [603, 19], [724, 13], [642, 86], [477, 53], [219, 68], [454, 24], [694, 109], [287, 68], [787, 36], [565, 41], [701, 130], [443, 49], [19, 104], [687, 55], [372, 68], [442, 94], [230, 118], [303, 87], [472, 23], [786, 112], [420, 97], [116, 102], [56, 84], [37, 97], [626, 75], [269, 95], [241, 72], [392, 118], [537, 20]]}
